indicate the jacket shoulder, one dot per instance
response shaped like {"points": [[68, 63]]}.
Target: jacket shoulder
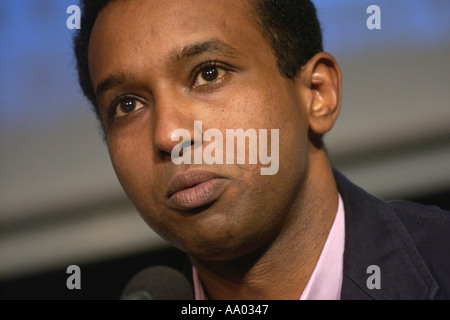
{"points": [[429, 228]]}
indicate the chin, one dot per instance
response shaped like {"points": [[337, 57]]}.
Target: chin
{"points": [[219, 245]]}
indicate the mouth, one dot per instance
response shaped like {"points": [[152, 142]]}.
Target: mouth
{"points": [[194, 189]]}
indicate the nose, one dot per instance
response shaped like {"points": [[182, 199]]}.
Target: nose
{"points": [[173, 112]]}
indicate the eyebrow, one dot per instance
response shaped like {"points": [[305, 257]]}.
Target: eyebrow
{"points": [[209, 46], [113, 81], [188, 51]]}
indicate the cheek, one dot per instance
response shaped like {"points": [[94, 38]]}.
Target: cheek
{"points": [[275, 106], [133, 166], [280, 109], [142, 180]]}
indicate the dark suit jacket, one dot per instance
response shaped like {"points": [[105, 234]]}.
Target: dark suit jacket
{"points": [[409, 242]]}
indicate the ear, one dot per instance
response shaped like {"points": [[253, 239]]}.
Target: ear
{"points": [[322, 80]]}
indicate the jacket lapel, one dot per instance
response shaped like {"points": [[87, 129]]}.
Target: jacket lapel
{"points": [[375, 236]]}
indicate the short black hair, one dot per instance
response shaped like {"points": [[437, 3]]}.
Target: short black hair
{"points": [[291, 26]]}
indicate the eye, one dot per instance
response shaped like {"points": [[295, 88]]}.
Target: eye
{"points": [[125, 106], [209, 75]]}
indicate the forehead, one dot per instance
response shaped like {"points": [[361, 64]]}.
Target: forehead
{"points": [[127, 28], [170, 13]]}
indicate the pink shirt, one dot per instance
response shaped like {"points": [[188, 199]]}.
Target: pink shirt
{"points": [[325, 282]]}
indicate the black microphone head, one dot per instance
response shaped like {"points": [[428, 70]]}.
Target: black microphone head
{"points": [[158, 283]]}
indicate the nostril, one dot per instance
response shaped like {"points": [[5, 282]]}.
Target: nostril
{"points": [[164, 156]]}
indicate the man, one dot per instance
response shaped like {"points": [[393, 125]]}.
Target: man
{"points": [[154, 67]]}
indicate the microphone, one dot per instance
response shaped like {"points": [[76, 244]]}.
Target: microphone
{"points": [[158, 283]]}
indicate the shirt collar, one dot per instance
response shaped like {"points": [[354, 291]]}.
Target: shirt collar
{"points": [[326, 280]]}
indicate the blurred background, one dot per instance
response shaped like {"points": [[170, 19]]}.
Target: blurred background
{"points": [[61, 204]]}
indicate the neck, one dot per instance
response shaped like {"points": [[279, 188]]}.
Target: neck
{"points": [[281, 269]]}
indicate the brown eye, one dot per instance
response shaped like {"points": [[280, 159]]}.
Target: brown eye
{"points": [[209, 75], [126, 106]]}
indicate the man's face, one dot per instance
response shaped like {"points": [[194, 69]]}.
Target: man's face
{"points": [[169, 63]]}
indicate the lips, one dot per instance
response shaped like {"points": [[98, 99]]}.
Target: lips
{"points": [[194, 189]]}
